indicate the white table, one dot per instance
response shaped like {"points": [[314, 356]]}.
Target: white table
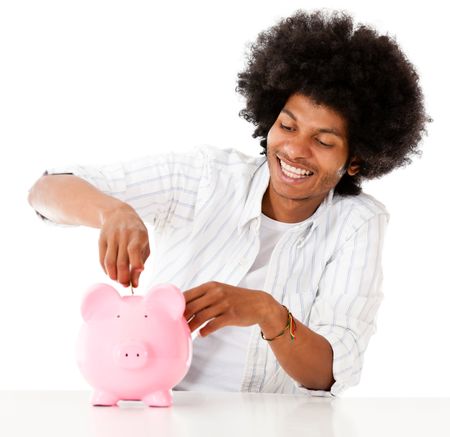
{"points": [[69, 413]]}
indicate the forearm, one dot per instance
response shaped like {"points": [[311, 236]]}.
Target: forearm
{"points": [[308, 358], [69, 199]]}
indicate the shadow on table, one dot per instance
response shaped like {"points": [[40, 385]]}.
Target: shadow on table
{"points": [[221, 415]]}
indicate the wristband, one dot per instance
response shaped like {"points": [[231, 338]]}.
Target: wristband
{"points": [[289, 325]]}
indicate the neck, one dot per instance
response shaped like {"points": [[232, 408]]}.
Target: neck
{"points": [[288, 210]]}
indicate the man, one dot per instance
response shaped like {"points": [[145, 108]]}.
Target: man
{"points": [[279, 256]]}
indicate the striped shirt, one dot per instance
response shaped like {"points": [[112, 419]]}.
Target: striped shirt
{"points": [[204, 210]]}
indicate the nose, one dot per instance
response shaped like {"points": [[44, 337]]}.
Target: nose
{"points": [[132, 355], [298, 148]]}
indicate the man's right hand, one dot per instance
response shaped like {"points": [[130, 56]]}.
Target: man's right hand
{"points": [[123, 245]]}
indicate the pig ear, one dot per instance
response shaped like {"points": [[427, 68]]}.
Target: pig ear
{"points": [[168, 298], [100, 300]]}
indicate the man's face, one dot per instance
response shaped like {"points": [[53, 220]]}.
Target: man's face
{"points": [[307, 150]]}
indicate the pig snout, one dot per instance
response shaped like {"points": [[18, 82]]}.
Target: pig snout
{"points": [[131, 355]]}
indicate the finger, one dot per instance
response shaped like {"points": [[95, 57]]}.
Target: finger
{"points": [[135, 278], [135, 256], [123, 266], [136, 263], [205, 315], [111, 259], [102, 252], [145, 252], [213, 325], [201, 303], [196, 292]]}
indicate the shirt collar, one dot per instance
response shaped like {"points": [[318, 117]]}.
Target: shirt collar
{"points": [[258, 186]]}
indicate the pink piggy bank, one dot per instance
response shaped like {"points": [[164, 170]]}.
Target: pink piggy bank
{"points": [[134, 347]]}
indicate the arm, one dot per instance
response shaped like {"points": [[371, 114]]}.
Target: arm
{"points": [[68, 199], [308, 358], [117, 198], [162, 189], [123, 243], [342, 318]]}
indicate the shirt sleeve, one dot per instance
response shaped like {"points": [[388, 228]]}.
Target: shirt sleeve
{"points": [[347, 302], [163, 189]]}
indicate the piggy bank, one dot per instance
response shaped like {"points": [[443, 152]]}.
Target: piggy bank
{"points": [[134, 347]]}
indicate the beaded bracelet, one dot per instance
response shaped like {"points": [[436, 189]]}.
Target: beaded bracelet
{"points": [[289, 325]]}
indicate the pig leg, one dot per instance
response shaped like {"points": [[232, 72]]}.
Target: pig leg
{"points": [[101, 397], [161, 398]]}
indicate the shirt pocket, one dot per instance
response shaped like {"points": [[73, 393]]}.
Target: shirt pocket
{"points": [[300, 302]]}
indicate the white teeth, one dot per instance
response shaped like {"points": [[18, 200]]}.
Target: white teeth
{"points": [[294, 172], [292, 175]]}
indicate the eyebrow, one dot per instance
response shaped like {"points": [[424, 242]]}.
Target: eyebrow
{"points": [[322, 130]]}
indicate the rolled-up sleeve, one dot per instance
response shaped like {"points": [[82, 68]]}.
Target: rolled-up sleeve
{"points": [[348, 299], [161, 188]]}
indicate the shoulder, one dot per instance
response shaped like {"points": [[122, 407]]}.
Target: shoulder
{"points": [[230, 160], [353, 212], [363, 205]]}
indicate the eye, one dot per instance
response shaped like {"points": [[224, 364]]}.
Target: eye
{"points": [[118, 316], [287, 128], [146, 316], [324, 144]]}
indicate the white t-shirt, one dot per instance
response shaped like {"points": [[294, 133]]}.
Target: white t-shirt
{"points": [[227, 348]]}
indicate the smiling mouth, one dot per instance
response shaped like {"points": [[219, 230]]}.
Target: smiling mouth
{"points": [[294, 172]]}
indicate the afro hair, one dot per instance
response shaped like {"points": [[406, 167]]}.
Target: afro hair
{"points": [[352, 69]]}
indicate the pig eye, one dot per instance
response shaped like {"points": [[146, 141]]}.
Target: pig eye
{"points": [[118, 316], [146, 315]]}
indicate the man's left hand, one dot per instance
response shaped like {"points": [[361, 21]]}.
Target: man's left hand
{"points": [[224, 305]]}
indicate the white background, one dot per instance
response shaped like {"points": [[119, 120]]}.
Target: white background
{"points": [[93, 81]]}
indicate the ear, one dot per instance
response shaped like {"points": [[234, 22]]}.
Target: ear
{"points": [[99, 301], [168, 298], [354, 166]]}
